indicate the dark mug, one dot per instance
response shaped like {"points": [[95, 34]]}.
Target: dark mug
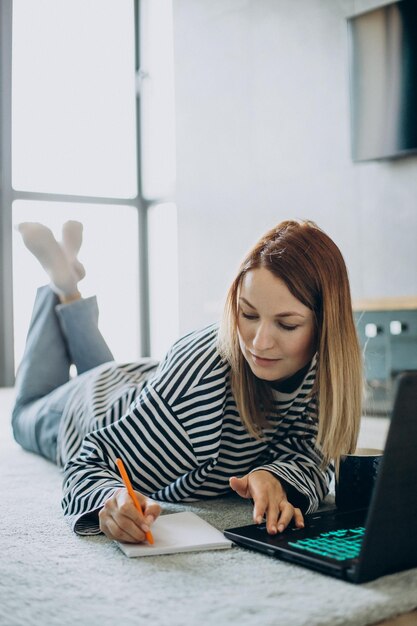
{"points": [[357, 477]]}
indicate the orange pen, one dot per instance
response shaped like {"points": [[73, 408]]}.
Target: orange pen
{"points": [[132, 494]]}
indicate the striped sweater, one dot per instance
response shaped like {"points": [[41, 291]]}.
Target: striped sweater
{"points": [[179, 432]]}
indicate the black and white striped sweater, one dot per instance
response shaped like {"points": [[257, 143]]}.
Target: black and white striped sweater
{"points": [[179, 433]]}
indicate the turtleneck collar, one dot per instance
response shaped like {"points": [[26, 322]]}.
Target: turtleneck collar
{"points": [[289, 385]]}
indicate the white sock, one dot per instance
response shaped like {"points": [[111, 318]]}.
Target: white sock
{"points": [[42, 243], [72, 237]]}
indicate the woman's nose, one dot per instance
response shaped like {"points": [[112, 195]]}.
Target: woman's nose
{"points": [[263, 339]]}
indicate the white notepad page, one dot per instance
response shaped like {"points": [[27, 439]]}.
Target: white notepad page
{"points": [[178, 532]]}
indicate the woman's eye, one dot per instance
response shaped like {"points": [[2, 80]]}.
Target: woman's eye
{"points": [[247, 316], [286, 327]]}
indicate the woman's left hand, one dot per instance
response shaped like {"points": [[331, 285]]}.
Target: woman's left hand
{"points": [[269, 499]]}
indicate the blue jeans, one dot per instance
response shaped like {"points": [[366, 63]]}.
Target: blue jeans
{"points": [[59, 335]]}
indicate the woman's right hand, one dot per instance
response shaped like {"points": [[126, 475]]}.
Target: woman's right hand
{"points": [[121, 521]]}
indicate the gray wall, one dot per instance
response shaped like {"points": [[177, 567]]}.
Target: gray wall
{"points": [[263, 135]]}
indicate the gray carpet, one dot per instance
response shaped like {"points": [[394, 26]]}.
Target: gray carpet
{"points": [[48, 576]]}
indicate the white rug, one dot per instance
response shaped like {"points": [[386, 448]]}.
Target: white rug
{"points": [[48, 576]]}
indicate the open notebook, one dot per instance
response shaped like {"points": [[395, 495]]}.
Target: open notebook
{"points": [[178, 532]]}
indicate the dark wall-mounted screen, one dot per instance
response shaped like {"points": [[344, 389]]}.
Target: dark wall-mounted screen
{"points": [[383, 81]]}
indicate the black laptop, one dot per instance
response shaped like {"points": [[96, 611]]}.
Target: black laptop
{"points": [[364, 544]]}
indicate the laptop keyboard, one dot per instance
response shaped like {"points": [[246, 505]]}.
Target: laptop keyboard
{"points": [[335, 544]]}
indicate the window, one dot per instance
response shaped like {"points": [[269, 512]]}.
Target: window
{"points": [[110, 256], [74, 135], [158, 174], [157, 99], [163, 269], [73, 94], [70, 108]]}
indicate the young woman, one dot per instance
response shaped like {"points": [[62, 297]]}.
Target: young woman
{"points": [[263, 405]]}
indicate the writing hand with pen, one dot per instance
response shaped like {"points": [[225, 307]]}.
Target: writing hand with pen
{"points": [[127, 516]]}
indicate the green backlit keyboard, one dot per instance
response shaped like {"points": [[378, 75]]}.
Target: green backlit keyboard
{"points": [[336, 544]]}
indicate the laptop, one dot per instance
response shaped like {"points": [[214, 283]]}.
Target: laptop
{"points": [[363, 544]]}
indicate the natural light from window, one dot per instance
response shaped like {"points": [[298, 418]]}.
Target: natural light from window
{"points": [[110, 256], [74, 135], [73, 93], [157, 109]]}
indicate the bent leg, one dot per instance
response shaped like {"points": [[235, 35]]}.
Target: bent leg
{"points": [[36, 424], [58, 336], [46, 361], [59, 333], [41, 379], [79, 325]]}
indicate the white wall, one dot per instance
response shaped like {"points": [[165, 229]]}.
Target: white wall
{"points": [[263, 135]]}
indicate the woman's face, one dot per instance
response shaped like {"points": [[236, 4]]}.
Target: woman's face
{"points": [[276, 331]]}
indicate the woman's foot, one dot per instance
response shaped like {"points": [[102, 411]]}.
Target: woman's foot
{"points": [[72, 237], [61, 270]]}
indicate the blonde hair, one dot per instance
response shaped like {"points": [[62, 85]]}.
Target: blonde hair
{"points": [[313, 269]]}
